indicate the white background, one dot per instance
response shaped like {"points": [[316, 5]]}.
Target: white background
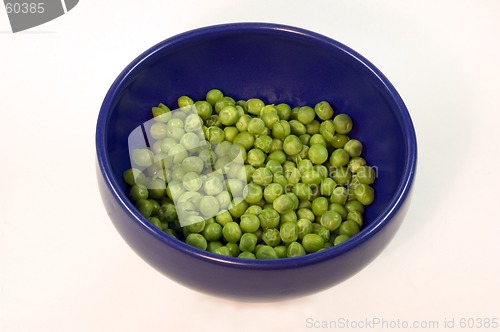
{"points": [[63, 267]]}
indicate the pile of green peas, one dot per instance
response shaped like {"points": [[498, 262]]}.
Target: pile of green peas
{"points": [[301, 184]]}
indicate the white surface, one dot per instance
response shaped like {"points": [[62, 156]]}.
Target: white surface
{"points": [[63, 267]]}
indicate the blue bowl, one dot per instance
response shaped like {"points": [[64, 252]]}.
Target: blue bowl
{"points": [[277, 64]]}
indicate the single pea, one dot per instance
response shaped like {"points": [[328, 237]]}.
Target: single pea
{"points": [[349, 227], [269, 218], [339, 157], [272, 191], [264, 142], [322, 231], [342, 175], [158, 130], [231, 232], [209, 206], [228, 115], [242, 123], [193, 123], [324, 110], [318, 154], [295, 199], [280, 179], [212, 232], [304, 227], [223, 102], [281, 129], [353, 147], [215, 134], [304, 165], [256, 126], [339, 195], [284, 111], [289, 232], [280, 251], [245, 139], [252, 193], [292, 176], [295, 249], [364, 193], [155, 221], [266, 252], [292, 145], [340, 209], [203, 108], [312, 242], [193, 164], [256, 157], [262, 176], [283, 204], [340, 239], [270, 119], [254, 209], [142, 157], [271, 237], [355, 163], [305, 213], [305, 138], [161, 113], [306, 114], [133, 176], [192, 181], [145, 207], [311, 177], [319, 206], [249, 223], [278, 155], [254, 105], [297, 128], [185, 102], [213, 186], [327, 130], [355, 216], [274, 166], [327, 186], [290, 216], [234, 249], [342, 123], [248, 241], [223, 251], [331, 220], [213, 96], [245, 173], [247, 255], [137, 192], [224, 217], [354, 205], [195, 227], [276, 145], [197, 240], [313, 127], [366, 174], [302, 191], [214, 245], [230, 133]]}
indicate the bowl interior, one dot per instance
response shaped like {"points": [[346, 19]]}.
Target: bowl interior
{"points": [[279, 65]]}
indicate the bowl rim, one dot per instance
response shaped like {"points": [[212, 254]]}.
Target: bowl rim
{"points": [[399, 196]]}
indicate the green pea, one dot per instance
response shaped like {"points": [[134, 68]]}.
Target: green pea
{"points": [[245, 139], [339, 195], [185, 102], [339, 140], [306, 114], [324, 110], [289, 232], [327, 186], [266, 252], [215, 134], [318, 154], [252, 193], [269, 218], [142, 157], [144, 206], [247, 255], [209, 206], [276, 145], [355, 205], [304, 226], [231, 232], [223, 102], [212, 232], [295, 249], [302, 191], [305, 213], [349, 227], [355, 163], [278, 155], [340, 239], [197, 240], [305, 138], [283, 204], [213, 186], [290, 216], [228, 115], [193, 164], [223, 251], [342, 175], [224, 217], [353, 147], [254, 105], [331, 220], [256, 157], [355, 216], [242, 123], [364, 193], [327, 130], [312, 242], [262, 176], [319, 206], [234, 249], [311, 177], [281, 129], [213, 246], [230, 133], [138, 192], [245, 173], [256, 126], [339, 157], [365, 174], [342, 123], [248, 241], [270, 119], [340, 209], [274, 166], [271, 237], [313, 127], [204, 109], [272, 191], [192, 181], [195, 227], [213, 96], [280, 251], [264, 142], [297, 128], [249, 223], [292, 145], [161, 113], [284, 111], [292, 176]]}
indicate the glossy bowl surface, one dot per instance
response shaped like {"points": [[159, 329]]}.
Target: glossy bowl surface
{"points": [[277, 64]]}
